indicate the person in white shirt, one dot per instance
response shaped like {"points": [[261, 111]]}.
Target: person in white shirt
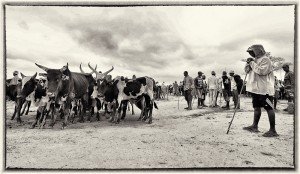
{"points": [[212, 84], [260, 83]]}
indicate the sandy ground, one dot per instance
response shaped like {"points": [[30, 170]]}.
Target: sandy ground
{"points": [[176, 139]]}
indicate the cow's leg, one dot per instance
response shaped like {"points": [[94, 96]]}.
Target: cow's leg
{"points": [[98, 107], [93, 106], [28, 106], [19, 106], [132, 108], [24, 107], [38, 113], [142, 101], [150, 111], [125, 104], [84, 106], [42, 118], [118, 116], [81, 119], [146, 108], [53, 116], [105, 111], [15, 110], [66, 113]]}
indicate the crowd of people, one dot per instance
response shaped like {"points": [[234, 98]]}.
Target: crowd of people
{"points": [[264, 88]]}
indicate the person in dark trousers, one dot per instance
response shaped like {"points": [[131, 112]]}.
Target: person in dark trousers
{"points": [[234, 91], [239, 85], [187, 88], [226, 89], [204, 91], [199, 88], [261, 84]]}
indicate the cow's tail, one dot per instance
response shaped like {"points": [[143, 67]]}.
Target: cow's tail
{"points": [[155, 105]]}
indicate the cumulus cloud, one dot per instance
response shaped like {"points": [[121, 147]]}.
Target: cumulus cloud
{"points": [[158, 42]]}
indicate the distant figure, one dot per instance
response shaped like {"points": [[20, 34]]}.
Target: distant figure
{"points": [[276, 95], [198, 81], [205, 90], [281, 90], [163, 90], [212, 84], [234, 91], [289, 83], [226, 89], [261, 84], [187, 88], [15, 79], [133, 77], [175, 88], [180, 88]]}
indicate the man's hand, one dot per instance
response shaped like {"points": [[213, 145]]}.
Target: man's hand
{"points": [[249, 60]]}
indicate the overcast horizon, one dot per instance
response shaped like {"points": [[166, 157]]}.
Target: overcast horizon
{"points": [[156, 41]]}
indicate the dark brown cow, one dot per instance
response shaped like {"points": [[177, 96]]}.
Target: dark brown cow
{"points": [[75, 85]]}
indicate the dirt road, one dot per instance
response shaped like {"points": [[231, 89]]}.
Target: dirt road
{"points": [[176, 139]]}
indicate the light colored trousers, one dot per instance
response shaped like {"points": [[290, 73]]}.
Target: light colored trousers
{"points": [[212, 97]]}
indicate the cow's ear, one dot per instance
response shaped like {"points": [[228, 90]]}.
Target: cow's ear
{"points": [[34, 76], [22, 75], [64, 68]]}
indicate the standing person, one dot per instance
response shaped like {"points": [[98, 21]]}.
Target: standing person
{"points": [[289, 83], [239, 85], [219, 90], [204, 91], [15, 79], [163, 90], [261, 84], [276, 95], [281, 87], [199, 88], [181, 88], [212, 83], [234, 91], [175, 86], [226, 89], [187, 88]]}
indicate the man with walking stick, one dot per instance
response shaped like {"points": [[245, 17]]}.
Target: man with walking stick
{"points": [[261, 85]]}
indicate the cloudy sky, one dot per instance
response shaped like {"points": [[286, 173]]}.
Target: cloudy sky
{"points": [[156, 41]]}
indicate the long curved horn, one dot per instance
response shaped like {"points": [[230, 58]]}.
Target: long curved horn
{"points": [[94, 70], [108, 71], [42, 67], [81, 68]]}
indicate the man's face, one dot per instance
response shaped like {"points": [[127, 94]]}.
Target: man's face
{"points": [[285, 68], [231, 74], [199, 74], [185, 73]]}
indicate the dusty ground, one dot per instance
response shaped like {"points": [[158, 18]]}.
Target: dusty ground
{"points": [[176, 139]]}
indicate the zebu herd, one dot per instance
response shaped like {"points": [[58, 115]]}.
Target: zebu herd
{"points": [[70, 94]]}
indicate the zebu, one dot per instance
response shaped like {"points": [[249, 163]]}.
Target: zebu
{"points": [[74, 85]]}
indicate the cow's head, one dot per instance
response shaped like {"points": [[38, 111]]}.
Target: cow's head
{"points": [[28, 85], [57, 79], [102, 86]]}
